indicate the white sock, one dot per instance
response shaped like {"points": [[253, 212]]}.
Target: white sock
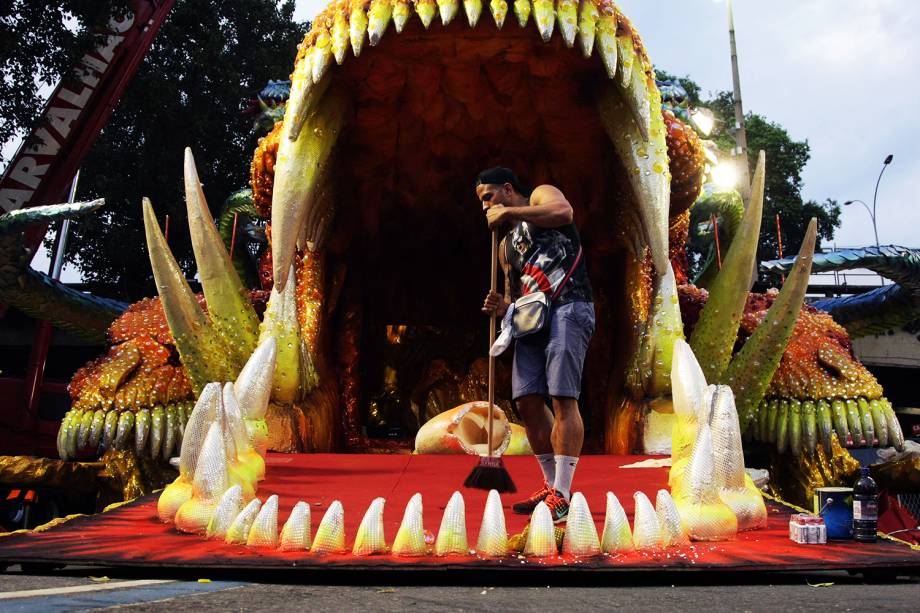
{"points": [[548, 466], [565, 471]]}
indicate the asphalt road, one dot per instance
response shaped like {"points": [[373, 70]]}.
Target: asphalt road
{"points": [[84, 589]]}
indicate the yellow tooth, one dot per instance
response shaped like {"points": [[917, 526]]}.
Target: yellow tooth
{"points": [[541, 537], [370, 538], [251, 464], [587, 26], [230, 505], [410, 539], [330, 536], [199, 422], [299, 100], [607, 41], [401, 13], [174, 496], [452, 534], [672, 533], [253, 386], [339, 36], [688, 385], [617, 536], [264, 531], [646, 529], [667, 327], [493, 536], [322, 56], [448, 10], [379, 16], [426, 10], [639, 95], [522, 11], [238, 532], [358, 27], [208, 484], [544, 16], [280, 323], [295, 536], [298, 167], [567, 16], [580, 532], [473, 9], [499, 10], [626, 59]]}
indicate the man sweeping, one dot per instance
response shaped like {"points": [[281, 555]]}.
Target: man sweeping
{"points": [[543, 264]]}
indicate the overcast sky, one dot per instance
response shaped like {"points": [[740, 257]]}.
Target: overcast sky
{"points": [[840, 73]]}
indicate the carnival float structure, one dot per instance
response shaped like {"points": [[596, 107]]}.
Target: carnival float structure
{"points": [[364, 190]]}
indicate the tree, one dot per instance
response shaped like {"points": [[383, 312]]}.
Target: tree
{"points": [[40, 41], [209, 58]]}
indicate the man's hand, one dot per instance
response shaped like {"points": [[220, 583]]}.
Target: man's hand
{"points": [[497, 214], [495, 305]]}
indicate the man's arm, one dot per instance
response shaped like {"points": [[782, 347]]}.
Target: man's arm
{"points": [[548, 209]]}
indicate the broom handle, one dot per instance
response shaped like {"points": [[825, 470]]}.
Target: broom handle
{"points": [[494, 287]]}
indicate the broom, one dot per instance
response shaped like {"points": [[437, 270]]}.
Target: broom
{"points": [[490, 473]]}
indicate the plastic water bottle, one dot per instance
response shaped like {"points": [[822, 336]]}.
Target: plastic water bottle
{"points": [[865, 508]]}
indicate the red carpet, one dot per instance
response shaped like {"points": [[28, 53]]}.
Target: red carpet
{"points": [[131, 534]]}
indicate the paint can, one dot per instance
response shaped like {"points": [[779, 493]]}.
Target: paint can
{"points": [[835, 506]]}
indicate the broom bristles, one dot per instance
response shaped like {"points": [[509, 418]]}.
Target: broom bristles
{"points": [[490, 474]]}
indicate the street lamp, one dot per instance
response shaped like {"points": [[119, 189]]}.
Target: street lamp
{"points": [[888, 159]]}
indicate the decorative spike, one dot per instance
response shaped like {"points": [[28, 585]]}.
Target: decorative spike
{"points": [[229, 307], [567, 17], [854, 422], [410, 539], [580, 532], [379, 15], [672, 533], [868, 426], [295, 536], [646, 529], [452, 534], [254, 385], [493, 536], [544, 16], [370, 538], [209, 483], [626, 59], [238, 532], [300, 164], [401, 13], [226, 511], [617, 536], [703, 515], [196, 342], [340, 36], [124, 429], [751, 371], [426, 10], [473, 9], [280, 323], [322, 56], [330, 536], [587, 29], [839, 412], [522, 11], [825, 424], [448, 10], [169, 433], [264, 531], [109, 428], [809, 425], [499, 10], [880, 421], [86, 422], [541, 537], [95, 429], [795, 427], [358, 27]]}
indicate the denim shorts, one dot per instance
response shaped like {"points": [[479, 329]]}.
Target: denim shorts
{"points": [[550, 362]]}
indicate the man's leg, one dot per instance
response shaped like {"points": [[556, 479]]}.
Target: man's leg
{"points": [[538, 422], [567, 438]]}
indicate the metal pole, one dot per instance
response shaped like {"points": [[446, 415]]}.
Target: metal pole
{"points": [[60, 247], [740, 134], [885, 164]]}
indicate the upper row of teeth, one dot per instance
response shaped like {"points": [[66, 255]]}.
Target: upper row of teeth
{"points": [[586, 20]]}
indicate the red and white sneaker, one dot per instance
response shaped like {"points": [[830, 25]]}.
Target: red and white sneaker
{"points": [[558, 507], [526, 506]]}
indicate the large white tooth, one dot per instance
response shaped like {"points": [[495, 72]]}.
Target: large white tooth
{"points": [[567, 17], [299, 100], [253, 386], [238, 532], [426, 10], [401, 13], [322, 56], [379, 16], [646, 529], [522, 10], [230, 505], [448, 10], [339, 33], [473, 9], [330, 536], [626, 59], [580, 532], [735, 488], [295, 536], [607, 46], [452, 534], [499, 10], [541, 536], [251, 464], [587, 26], [280, 324], [672, 533], [617, 536], [639, 96], [210, 482], [370, 538], [357, 24], [544, 16], [493, 535], [666, 328], [410, 539], [264, 531]]}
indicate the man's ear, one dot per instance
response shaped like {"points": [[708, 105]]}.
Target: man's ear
{"points": [[509, 189]]}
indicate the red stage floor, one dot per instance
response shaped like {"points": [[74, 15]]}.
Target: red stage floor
{"points": [[131, 535]]}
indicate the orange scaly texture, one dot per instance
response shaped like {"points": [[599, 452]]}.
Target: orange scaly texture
{"points": [[262, 171], [687, 164]]}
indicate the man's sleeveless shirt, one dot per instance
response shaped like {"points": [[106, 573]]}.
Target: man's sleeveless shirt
{"points": [[540, 259]]}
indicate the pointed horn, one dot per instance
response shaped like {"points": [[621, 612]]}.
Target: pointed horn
{"points": [[330, 536], [208, 485], [199, 422], [452, 534], [410, 539], [672, 532], [541, 537], [493, 535], [264, 531], [230, 505], [201, 352], [295, 536], [717, 329], [617, 536], [253, 387], [752, 369], [238, 532], [667, 328], [281, 326], [580, 532], [646, 529], [370, 538]]}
